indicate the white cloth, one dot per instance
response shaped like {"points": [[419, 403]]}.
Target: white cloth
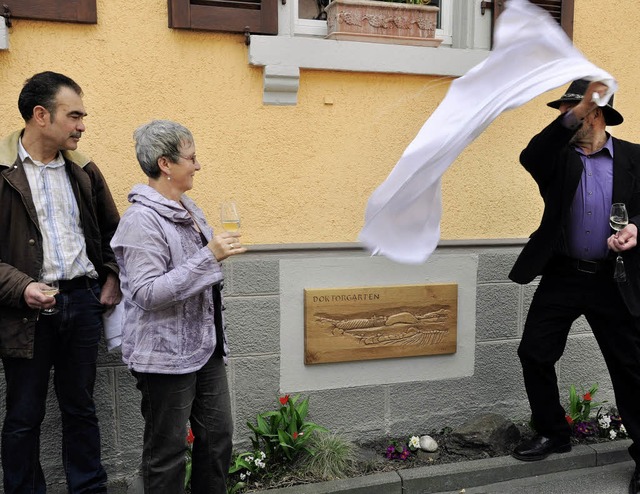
{"points": [[531, 55], [112, 324]]}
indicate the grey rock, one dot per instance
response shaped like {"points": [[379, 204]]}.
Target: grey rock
{"points": [[490, 434]]}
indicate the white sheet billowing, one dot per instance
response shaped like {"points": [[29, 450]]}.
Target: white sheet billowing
{"points": [[531, 55]]}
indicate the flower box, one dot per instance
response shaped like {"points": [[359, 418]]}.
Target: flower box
{"points": [[382, 22]]}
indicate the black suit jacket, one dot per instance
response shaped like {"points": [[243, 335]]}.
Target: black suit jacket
{"points": [[556, 167]]}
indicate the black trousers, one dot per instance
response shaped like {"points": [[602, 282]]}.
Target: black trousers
{"points": [[66, 342], [168, 402], [563, 295]]}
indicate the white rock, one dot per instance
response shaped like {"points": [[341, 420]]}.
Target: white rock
{"points": [[427, 443]]}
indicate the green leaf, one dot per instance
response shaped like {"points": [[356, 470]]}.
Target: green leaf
{"points": [[263, 426], [303, 409], [285, 441], [187, 474], [237, 487]]}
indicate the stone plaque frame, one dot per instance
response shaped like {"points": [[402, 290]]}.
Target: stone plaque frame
{"points": [[365, 323]]}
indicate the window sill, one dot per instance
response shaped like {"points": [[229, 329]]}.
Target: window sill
{"points": [[284, 56]]}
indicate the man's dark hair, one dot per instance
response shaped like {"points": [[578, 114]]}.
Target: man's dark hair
{"points": [[41, 89]]}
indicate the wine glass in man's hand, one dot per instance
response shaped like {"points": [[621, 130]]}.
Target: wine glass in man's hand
{"points": [[51, 289], [618, 219]]}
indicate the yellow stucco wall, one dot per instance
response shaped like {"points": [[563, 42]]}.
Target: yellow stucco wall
{"points": [[302, 173]]}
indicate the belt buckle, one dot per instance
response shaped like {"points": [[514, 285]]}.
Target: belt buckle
{"points": [[584, 266]]}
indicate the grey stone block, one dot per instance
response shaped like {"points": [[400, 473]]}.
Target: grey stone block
{"points": [[422, 407], [105, 357], [130, 425], [255, 389], [583, 365], [352, 412], [495, 265], [251, 276], [498, 377], [105, 399], [253, 325], [580, 325], [497, 311]]}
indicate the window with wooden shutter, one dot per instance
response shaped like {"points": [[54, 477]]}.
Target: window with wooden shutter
{"points": [[560, 10], [258, 16], [54, 10]]}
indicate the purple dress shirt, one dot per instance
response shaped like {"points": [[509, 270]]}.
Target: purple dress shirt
{"points": [[589, 216]]}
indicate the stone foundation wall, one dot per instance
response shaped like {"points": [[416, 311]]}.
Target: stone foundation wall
{"points": [[369, 399]]}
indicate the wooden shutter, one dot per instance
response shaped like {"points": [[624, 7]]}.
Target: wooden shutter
{"points": [[54, 10], [560, 10], [258, 16]]}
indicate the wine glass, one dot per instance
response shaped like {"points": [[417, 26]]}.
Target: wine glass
{"points": [[229, 216], [51, 290], [618, 219]]}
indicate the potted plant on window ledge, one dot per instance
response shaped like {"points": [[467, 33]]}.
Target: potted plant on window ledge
{"points": [[407, 22]]}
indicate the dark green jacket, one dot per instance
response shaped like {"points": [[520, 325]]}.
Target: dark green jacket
{"points": [[21, 252]]}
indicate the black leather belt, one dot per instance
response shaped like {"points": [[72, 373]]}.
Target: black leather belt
{"points": [[74, 284], [584, 265]]}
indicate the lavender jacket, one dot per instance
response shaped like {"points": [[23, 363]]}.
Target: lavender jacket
{"points": [[166, 279]]}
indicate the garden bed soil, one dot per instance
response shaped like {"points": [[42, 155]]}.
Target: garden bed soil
{"points": [[370, 458]]}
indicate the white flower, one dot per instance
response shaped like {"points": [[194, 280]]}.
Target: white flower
{"points": [[612, 434], [259, 463], [242, 476], [414, 442], [249, 458], [623, 430], [262, 455], [605, 421]]}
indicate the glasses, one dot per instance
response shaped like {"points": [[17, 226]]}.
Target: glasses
{"points": [[193, 158]]}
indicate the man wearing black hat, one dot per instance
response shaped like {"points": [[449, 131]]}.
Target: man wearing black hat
{"points": [[581, 170]]}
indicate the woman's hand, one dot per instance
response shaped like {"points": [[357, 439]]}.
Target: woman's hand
{"points": [[226, 244]]}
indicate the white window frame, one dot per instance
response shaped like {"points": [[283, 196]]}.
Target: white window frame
{"points": [[301, 45], [311, 27]]}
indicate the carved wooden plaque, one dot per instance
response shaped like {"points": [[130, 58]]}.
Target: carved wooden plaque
{"points": [[367, 323]]}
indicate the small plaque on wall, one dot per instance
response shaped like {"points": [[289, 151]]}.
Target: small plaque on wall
{"points": [[349, 324]]}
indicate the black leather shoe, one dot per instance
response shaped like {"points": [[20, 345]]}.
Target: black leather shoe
{"points": [[634, 485], [540, 447]]}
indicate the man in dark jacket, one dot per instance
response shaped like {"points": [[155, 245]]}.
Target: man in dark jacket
{"points": [[581, 171], [57, 218]]}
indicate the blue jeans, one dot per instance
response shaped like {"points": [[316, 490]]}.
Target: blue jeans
{"points": [[168, 402], [68, 343]]}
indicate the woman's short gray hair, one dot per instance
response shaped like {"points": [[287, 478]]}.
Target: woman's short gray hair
{"points": [[159, 138]]}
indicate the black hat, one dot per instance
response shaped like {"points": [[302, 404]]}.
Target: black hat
{"points": [[576, 92]]}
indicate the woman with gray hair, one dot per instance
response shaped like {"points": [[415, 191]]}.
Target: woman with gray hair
{"points": [[173, 338]]}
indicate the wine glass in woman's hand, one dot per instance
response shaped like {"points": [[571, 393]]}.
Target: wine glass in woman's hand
{"points": [[230, 217]]}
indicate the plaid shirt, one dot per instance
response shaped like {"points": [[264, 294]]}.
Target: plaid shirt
{"points": [[65, 253]]}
